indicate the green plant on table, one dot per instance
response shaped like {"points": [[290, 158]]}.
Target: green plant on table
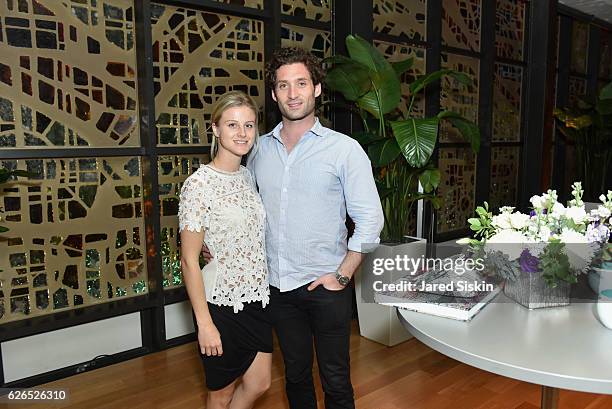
{"points": [[399, 146], [588, 126]]}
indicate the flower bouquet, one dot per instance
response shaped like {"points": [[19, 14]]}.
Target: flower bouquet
{"points": [[541, 254]]}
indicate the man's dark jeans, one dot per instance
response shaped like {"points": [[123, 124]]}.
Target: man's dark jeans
{"points": [[298, 316]]}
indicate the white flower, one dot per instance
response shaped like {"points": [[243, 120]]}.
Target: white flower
{"points": [[558, 210], [602, 198], [510, 242], [501, 221], [544, 234], [603, 212], [537, 202], [519, 220], [572, 236], [577, 214], [578, 249], [506, 209]]}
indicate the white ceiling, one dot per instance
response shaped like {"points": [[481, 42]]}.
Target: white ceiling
{"points": [[599, 8]]}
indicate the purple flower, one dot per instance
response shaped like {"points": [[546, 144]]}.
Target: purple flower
{"points": [[597, 233], [529, 263], [532, 213]]}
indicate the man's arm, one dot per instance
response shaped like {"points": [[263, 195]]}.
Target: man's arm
{"points": [[347, 268], [362, 200], [364, 208]]}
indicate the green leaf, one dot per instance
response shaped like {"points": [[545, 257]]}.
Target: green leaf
{"points": [[364, 53], [469, 130], [366, 138], [430, 179], [384, 191], [481, 211], [416, 138], [474, 221], [401, 67], [436, 202], [461, 77], [383, 152], [604, 106], [337, 59], [3, 229], [385, 94], [351, 79], [606, 91], [22, 173], [370, 103], [584, 104], [425, 80]]}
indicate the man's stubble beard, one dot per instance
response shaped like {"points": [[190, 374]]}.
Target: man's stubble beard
{"points": [[287, 114]]}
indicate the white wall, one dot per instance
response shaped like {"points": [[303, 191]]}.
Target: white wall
{"points": [[178, 319], [25, 357]]}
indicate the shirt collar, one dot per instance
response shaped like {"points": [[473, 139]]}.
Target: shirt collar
{"points": [[317, 129]]}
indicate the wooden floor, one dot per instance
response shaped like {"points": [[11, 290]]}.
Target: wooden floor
{"points": [[408, 376]]}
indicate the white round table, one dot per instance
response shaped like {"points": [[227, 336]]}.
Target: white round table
{"points": [[564, 347]]}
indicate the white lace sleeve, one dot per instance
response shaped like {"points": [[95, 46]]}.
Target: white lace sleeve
{"points": [[193, 210], [251, 179]]}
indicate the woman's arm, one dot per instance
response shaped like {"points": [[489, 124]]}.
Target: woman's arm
{"points": [[208, 335]]}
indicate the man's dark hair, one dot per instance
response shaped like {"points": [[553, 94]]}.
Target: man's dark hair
{"points": [[293, 55]]}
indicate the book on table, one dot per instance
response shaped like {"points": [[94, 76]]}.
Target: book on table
{"points": [[442, 293]]}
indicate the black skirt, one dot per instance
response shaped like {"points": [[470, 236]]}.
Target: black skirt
{"points": [[243, 335]]}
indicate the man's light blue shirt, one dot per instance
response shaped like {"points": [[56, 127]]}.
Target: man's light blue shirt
{"points": [[307, 194]]}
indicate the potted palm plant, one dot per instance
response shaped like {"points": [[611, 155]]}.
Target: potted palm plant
{"points": [[588, 126], [400, 148]]}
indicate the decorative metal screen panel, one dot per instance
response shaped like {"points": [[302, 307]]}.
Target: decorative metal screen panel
{"points": [[67, 74], [504, 176], [197, 57], [461, 24], [173, 170], [401, 17], [510, 29], [457, 97], [605, 62], [258, 4], [458, 167], [507, 103], [318, 10], [319, 43], [580, 46], [399, 52], [76, 235], [577, 89]]}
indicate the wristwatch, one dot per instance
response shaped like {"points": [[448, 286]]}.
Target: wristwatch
{"points": [[343, 280]]}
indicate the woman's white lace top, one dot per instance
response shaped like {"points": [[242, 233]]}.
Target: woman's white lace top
{"points": [[228, 208]]}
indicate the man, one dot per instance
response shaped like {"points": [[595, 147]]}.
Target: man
{"points": [[309, 178]]}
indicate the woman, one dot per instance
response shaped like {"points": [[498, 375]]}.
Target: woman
{"points": [[220, 206]]}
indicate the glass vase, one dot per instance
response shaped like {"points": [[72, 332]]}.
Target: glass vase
{"points": [[531, 291]]}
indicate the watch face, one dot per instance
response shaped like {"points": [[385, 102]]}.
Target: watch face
{"points": [[342, 279]]}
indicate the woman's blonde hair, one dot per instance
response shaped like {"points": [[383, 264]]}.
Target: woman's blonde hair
{"points": [[232, 99]]}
